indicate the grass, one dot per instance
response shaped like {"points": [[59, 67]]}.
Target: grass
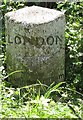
{"points": [[32, 104], [59, 101], [56, 101]]}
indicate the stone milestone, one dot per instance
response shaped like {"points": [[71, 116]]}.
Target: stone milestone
{"points": [[35, 46]]}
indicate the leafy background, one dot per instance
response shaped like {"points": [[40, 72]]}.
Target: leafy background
{"points": [[64, 100]]}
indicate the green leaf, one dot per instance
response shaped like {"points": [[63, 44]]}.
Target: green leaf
{"points": [[5, 2], [17, 71], [55, 88]]}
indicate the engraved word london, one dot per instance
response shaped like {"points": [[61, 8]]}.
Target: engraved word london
{"points": [[36, 41]]}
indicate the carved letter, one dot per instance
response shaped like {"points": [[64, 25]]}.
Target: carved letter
{"points": [[61, 76], [9, 39], [17, 40], [50, 40]]}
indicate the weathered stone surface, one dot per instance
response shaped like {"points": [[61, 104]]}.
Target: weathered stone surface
{"points": [[35, 44]]}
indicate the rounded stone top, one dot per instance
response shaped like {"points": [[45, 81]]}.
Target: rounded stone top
{"points": [[34, 15]]}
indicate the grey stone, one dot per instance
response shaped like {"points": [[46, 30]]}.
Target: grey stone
{"points": [[35, 45]]}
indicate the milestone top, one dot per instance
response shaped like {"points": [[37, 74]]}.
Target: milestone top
{"points": [[34, 15]]}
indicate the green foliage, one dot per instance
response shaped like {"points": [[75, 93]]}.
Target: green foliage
{"points": [[53, 89], [73, 37], [5, 1], [74, 42], [15, 106], [64, 100]]}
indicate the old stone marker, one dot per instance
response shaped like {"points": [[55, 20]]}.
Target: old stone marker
{"points": [[35, 45]]}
